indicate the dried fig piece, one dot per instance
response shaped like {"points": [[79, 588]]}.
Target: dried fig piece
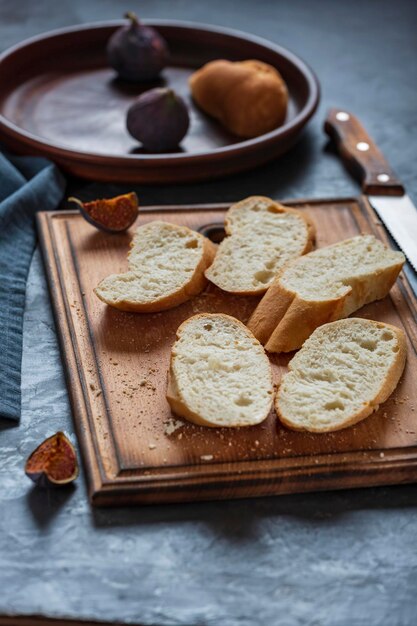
{"points": [[53, 463], [113, 215]]}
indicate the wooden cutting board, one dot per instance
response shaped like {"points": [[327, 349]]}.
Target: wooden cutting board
{"points": [[135, 450]]}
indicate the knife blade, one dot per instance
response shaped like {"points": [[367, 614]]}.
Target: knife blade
{"points": [[379, 182], [403, 229]]}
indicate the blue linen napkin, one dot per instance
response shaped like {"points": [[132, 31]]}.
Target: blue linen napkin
{"points": [[27, 185]]}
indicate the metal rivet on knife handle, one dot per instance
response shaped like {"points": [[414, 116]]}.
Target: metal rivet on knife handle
{"points": [[342, 116]]}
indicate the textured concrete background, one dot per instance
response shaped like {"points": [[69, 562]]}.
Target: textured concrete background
{"points": [[330, 559]]}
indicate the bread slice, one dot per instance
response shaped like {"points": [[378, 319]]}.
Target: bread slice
{"points": [[323, 286], [166, 268], [343, 372], [263, 236], [219, 373]]}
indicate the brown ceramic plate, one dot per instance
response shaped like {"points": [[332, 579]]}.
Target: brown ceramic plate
{"points": [[59, 99]]}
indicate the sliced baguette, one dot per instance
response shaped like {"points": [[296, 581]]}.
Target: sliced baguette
{"points": [[219, 373], [322, 286], [343, 372], [263, 236], [166, 268]]}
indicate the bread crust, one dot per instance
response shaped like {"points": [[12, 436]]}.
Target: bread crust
{"points": [[180, 408], [283, 320], [388, 385], [177, 403], [195, 286], [280, 208]]}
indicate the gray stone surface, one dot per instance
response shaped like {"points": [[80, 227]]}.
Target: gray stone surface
{"points": [[329, 559]]}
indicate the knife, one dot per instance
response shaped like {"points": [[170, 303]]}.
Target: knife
{"points": [[381, 185]]}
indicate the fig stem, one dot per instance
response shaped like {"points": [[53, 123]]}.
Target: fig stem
{"points": [[132, 17], [76, 200]]}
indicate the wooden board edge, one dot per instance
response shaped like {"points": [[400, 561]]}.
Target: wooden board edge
{"points": [[212, 206], [265, 483], [75, 392], [106, 498]]}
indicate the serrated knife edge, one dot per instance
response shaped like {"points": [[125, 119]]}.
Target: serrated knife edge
{"points": [[399, 216]]}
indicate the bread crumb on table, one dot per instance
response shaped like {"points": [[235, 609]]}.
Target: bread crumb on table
{"points": [[206, 457]]}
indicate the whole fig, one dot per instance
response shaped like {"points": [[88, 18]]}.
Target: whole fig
{"points": [[137, 52], [159, 119]]}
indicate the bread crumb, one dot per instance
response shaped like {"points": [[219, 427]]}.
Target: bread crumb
{"points": [[381, 454], [206, 457], [152, 446], [172, 425]]}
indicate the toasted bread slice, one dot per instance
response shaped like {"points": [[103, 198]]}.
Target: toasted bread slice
{"points": [[343, 372], [219, 373], [322, 286], [166, 268], [263, 237]]}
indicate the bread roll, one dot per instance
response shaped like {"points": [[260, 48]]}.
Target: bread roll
{"points": [[249, 98]]}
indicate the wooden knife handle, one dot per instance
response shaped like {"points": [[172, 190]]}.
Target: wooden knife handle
{"points": [[361, 155]]}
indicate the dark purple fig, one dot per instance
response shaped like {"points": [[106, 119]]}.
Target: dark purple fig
{"points": [[137, 52], [158, 119]]}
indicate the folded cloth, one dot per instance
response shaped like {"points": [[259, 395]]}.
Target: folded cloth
{"points": [[27, 185]]}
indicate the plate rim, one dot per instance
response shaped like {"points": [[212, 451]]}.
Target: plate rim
{"points": [[150, 160]]}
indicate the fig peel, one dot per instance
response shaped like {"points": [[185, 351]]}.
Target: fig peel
{"points": [[113, 215], [53, 463]]}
